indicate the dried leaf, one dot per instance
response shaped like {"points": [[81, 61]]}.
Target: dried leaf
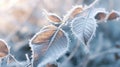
{"points": [[45, 35], [73, 13], [3, 49], [48, 45], [54, 18], [113, 15], [76, 11], [83, 28], [101, 16]]}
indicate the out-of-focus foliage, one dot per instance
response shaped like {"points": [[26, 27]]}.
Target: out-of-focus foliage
{"points": [[20, 20]]}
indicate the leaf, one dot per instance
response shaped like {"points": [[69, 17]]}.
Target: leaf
{"points": [[101, 16], [48, 45], [97, 13], [54, 18], [92, 12], [76, 10], [3, 49], [44, 35], [113, 15], [83, 28], [73, 12]]}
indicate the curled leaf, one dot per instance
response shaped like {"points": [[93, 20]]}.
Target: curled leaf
{"points": [[48, 45], [101, 16], [3, 49], [83, 28], [44, 35], [54, 18], [73, 12], [113, 15], [76, 10]]}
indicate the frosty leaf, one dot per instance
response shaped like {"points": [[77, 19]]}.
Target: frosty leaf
{"points": [[84, 28], [54, 18], [101, 16], [44, 35], [113, 15], [73, 12], [48, 45], [3, 49], [76, 10], [51, 65]]}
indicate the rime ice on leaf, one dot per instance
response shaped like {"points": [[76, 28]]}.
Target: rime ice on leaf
{"points": [[84, 28], [101, 16], [44, 35], [76, 11], [3, 49], [53, 18], [51, 65], [48, 45], [113, 15], [73, 12]]}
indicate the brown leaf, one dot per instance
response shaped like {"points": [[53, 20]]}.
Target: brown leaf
{"points": [[76, 11], [101, 16], [54, 18], [45, 35], [3, 49], [113, 15], [50, 40], [73, 12]]}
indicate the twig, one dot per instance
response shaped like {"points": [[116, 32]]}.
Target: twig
{"points": [[93, 4]]}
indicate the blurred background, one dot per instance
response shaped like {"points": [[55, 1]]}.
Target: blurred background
{"points": [[21, 19]]}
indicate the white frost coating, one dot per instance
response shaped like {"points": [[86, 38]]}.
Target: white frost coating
{"points": [[54, 51], [84, 28], [94, 11]]}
